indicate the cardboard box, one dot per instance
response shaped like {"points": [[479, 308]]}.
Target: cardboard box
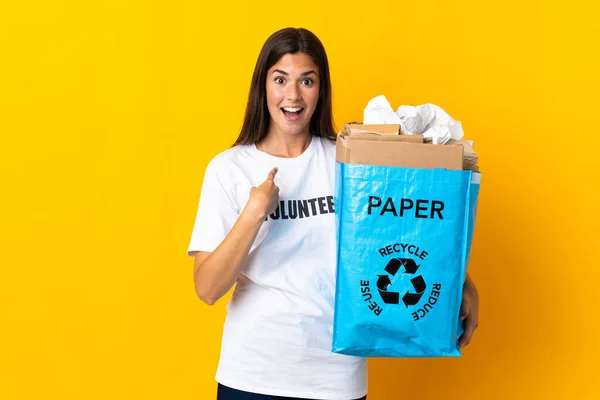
{"points": [[470, 157], [382, 145], [357, 127]]}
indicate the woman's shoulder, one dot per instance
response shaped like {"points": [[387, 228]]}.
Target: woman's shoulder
{"points": [[229, 155], [226, 159], [327, 144], [325, 141]]}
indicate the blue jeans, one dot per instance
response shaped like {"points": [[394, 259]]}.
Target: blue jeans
{"points": [[227, 393]]}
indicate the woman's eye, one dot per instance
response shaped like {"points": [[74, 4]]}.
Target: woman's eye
{"points": [[279, 80], [307, 82]]}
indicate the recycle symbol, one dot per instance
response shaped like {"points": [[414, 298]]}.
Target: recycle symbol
{"points": [[410, 267]]}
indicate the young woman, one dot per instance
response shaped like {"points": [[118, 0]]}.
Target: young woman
{"points": [[265, 223]]}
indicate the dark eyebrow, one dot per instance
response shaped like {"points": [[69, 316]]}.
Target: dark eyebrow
{"points": [[303, 74]]}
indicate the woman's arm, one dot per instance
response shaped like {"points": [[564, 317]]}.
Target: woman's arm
{"points": [[216, 272]]}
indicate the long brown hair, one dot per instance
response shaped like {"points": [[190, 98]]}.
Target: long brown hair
{"points": [[280, 43]]}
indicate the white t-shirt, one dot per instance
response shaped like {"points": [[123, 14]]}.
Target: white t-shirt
{"points": [[278, 330]]}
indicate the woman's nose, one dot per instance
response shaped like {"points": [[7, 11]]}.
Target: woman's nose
{"points": [[293, 93]]}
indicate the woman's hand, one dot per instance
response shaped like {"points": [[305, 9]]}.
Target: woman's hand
{"points": [[469, 312], [263, 198]]}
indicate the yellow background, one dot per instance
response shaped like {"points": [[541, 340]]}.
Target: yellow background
{"points": [[110, 110]]}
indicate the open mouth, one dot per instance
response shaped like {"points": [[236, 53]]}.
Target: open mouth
{"points": [[292, 113]]}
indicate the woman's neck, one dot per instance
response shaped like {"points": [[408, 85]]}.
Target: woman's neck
{"points": [[285, 146]]}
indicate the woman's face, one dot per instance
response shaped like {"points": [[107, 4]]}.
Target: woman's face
{"points": [[292, 94]]}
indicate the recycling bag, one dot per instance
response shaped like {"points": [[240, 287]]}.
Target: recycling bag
{"points": [[403, 243]]}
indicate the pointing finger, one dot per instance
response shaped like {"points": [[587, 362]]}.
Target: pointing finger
{"points": [[271, 175]]}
